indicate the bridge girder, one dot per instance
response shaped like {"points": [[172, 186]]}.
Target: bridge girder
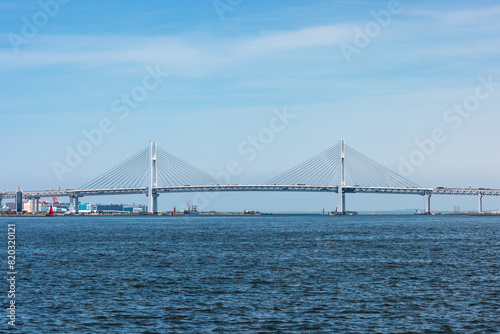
{"points": [[252, 188], [466, 191]]}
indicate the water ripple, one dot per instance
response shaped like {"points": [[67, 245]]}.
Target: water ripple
{"points": [[277, 274]]}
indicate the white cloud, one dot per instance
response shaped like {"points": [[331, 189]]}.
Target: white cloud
{"points": [[480, 17], [484, 17], [305, 38], [184, 54], [432, 36]]}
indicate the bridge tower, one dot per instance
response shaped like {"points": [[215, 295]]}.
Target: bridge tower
{"points": [[341, 206], [153, 179]]}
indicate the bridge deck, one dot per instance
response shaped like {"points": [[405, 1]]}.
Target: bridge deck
{"points": [[267, 188]]}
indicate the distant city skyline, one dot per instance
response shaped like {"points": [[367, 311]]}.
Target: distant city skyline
{"points": [[414, 86]]}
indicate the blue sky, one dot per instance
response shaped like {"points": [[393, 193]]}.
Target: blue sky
{"points": [[229, 71]]}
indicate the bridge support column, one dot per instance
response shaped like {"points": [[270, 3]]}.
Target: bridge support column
{"points": [[153, 176], [155, 203], [341, 205], [480, 203], [428, 204], [77, 205], [36, 205]]}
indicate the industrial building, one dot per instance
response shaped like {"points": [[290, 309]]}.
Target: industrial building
{"points": [[123, 208]]}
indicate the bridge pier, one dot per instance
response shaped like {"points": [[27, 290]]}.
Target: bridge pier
{"points": [[36, 205], [153, 179], [74, 208], [428, 204], [155, 203], [341, 206], [480, 203]]}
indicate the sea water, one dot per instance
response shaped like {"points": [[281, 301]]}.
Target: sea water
{"points": [[258, 274]]}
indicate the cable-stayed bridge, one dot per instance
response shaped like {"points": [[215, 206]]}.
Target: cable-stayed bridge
{"points": [[339, 169]]}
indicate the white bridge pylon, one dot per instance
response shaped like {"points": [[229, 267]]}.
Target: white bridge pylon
{"points": [[153, 179], [153, 171], [341, 206]]}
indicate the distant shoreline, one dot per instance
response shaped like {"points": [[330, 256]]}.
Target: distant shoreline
{"points": [[235, 215]]}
